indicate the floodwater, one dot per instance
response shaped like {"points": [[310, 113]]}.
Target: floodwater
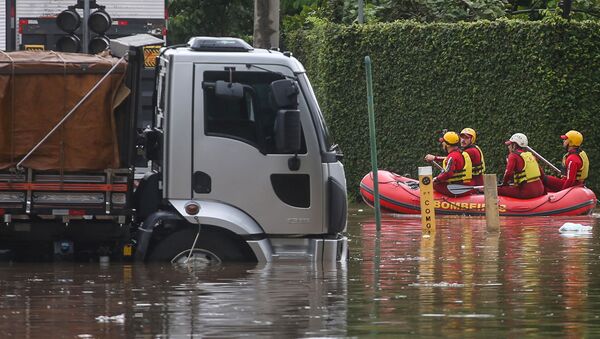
{"points": [[526, 280]]}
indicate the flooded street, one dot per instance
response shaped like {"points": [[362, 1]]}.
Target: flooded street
{"points": [[528, 279]]}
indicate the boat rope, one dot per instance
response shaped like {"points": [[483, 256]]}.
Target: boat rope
{"points": [[385, 182]]}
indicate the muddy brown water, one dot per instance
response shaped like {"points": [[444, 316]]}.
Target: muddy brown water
{"points": [[526, 280]]}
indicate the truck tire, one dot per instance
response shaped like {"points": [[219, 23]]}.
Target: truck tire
{"points": [[212, 248]]}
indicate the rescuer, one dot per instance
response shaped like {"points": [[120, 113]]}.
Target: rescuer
{"points": [[575, 164], [467, 143], [522, 178], [457, 167]]}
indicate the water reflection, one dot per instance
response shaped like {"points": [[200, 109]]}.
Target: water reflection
{"points": [[525, 279], [292, 299]]}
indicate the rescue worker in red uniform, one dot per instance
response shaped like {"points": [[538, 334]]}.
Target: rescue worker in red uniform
{"points": [[457, 166], [575, 164], [522, 178], [467, 143]]}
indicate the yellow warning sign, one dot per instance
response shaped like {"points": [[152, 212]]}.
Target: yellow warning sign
{"points": [[127, 250], [35, 47], [427, 202], [150, 54]]}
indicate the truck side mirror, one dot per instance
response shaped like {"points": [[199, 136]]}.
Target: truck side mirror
{"points": [[285, 93], [288, 131], [232, 90]]}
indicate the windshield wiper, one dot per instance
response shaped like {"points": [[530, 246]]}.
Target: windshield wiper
{"points": [[270, 71]]}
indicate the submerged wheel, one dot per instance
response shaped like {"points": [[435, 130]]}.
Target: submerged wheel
{"points": [[196, 257], [212, 248]]}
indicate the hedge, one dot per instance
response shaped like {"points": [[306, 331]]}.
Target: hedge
{"points": [[499, 77]]}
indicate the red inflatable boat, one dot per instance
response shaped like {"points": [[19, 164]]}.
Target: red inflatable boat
{"points": [[401, 195]]}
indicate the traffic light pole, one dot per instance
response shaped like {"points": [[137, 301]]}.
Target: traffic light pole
{"points": [[84, 29]]}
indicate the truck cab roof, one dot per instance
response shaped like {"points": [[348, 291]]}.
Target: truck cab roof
{"points": [[231, 50]]}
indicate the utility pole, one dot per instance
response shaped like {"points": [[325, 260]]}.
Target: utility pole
{"points": [[361, 12], [266, 23]]}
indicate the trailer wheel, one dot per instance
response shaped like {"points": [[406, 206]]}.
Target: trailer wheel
{"points": [[212, 248]]}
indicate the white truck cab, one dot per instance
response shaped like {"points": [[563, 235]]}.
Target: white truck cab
{"points": [[241, 160]]}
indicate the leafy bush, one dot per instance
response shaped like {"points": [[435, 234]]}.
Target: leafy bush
{"points": [[500, 77]]}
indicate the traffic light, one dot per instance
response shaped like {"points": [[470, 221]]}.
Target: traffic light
{"points": [[70, 22], [99, 22]]}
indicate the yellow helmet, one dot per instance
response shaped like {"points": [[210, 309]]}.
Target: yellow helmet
{"points": [[575, 138], [450, 138], [471, 132]]}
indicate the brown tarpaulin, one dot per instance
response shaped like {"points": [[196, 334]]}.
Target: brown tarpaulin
{"points": [[37, 89]]}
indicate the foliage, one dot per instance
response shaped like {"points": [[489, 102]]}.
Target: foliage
{"points": [[501, 77], [210, 18], [542, 9], [345, 11], [440, 10]]}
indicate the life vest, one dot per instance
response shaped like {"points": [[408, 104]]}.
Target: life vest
{"points": [[531, 170], [478, 169], [582, 173], [465, 173]]}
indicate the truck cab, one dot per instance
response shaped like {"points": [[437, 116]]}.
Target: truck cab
{"points": [[242, 163]]}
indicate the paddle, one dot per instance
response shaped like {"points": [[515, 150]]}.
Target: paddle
{"points": [[438, 165], [537, 155], [460, 189]]}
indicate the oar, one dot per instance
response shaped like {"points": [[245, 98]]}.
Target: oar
{"points": [[460, 189], [438, 165], [537, 155]]}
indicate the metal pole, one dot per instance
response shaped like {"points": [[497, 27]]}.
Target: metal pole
{"points": [[10, 25], [20, 163], [85, 35], [373, 142], [361, 12]]}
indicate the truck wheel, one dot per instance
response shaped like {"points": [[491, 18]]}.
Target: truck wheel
{"points": [[212, 248]]}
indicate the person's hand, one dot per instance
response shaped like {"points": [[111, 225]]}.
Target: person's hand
{"points": [[430, 157]]}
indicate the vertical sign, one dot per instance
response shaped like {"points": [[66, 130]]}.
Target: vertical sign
{"points": [[427, 209]]}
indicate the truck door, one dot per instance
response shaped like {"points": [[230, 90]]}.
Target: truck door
{"points": [[235, 159]]}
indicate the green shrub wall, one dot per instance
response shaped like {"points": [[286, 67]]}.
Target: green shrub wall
{"points": [[501, 77]]}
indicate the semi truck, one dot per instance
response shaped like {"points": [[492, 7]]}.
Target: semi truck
{"points": [[242, 167]]}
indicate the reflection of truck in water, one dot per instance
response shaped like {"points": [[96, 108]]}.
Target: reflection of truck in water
{"points": [[242, 167]]}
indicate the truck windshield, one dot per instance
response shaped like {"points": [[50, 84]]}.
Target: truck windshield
{"points": [[324, 135]]}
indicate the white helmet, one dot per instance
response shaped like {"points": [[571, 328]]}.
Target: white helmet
{"points": [[519, 139]]}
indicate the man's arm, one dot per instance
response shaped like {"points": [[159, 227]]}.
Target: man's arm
{"points": [[511, 164], [448, 171], [572, 168]]}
